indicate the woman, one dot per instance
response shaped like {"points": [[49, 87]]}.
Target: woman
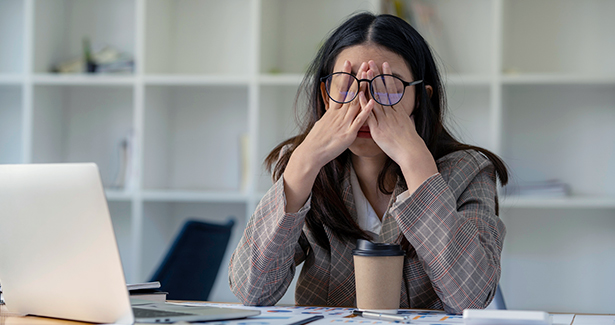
{"points": [[374, 161]]}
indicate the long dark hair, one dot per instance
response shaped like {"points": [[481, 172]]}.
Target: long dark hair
{"points": [[394, 34]]}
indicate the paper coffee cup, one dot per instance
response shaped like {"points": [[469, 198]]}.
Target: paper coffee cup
{"points": [[378, 270]]}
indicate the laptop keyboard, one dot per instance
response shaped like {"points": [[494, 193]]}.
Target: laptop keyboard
{"points": [[151, 313]]}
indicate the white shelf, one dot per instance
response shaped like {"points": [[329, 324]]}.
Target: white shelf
{"points": [[531, 80], [83, 79], [287, 79], [199, 80], [557, 79], [194, 196], [468, 80], [578, 202], [119, 195]]}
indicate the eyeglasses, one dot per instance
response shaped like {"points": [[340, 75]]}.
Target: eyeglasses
{"points": [[386, 89]]}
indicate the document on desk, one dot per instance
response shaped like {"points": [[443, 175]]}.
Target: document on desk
{"points": [[282, 315], [285, 315]]}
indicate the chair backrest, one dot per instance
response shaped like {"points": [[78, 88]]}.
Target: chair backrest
{"points": [[189, 270], [498, 300]]}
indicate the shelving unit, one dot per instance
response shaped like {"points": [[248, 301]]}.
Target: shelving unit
{"points": [[215, 83]]}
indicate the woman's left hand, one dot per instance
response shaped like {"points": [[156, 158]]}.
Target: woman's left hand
{"points": [[394, 131]]}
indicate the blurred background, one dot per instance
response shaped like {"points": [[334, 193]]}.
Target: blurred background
{"points": [[179, 101]]}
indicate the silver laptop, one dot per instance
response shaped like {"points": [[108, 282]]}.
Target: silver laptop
{"points": [[58, 254]]}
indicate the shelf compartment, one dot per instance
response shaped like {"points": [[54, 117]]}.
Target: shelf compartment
{"points": [[469, 116], [11, 79], [282, 51], [459, 32], [192, 137], [12, 36], [561, 132], [546, 250], [61, 26], [276, 123], [162, 222], [197, 37], [122, 226], [559, 36], [11, 142], [82, 124]]}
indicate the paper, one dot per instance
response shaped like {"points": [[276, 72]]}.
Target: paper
{"points": [[594, 320], [284, 315], [264, 320]]}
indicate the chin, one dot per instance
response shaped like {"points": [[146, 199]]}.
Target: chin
{"points": [[363, 147]]}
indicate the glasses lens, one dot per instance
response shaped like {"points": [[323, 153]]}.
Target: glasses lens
{"points": [[342, 87], [387, 90]]}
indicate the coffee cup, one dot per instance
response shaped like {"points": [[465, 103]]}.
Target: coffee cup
{"points": [[378, 270]]}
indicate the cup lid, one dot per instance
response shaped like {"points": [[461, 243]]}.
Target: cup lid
{"points": [[367, 248]]}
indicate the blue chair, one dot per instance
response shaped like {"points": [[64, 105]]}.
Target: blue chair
{"points": [[189, 270], [498, 300]]}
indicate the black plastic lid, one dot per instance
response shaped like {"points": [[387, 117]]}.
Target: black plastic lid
{"points": [[367, 248]]}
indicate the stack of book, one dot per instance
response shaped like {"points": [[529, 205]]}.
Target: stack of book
{"points": [[147, 291]]}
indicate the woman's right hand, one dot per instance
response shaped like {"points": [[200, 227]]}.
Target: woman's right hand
{"points": [[333, 133], [337, 129]]}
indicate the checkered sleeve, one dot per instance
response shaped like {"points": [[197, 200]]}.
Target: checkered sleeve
{"points": [[451, 222], [262, 266]]}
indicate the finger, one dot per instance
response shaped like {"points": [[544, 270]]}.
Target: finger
{"points": [[366, 110], [379, 85], [373, 67], [391, 86], [365, 85], [344, 84], [361, 74], [378, 91]]}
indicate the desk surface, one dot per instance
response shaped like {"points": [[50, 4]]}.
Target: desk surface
{"points": [[7, 318]]}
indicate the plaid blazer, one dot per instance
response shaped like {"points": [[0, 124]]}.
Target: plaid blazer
{"points": [[450, 221]]}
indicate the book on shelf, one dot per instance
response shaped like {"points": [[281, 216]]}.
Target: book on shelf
{"points": [[124, 163]]}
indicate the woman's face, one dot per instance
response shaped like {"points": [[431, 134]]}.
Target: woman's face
{"points": [[364, 145]]}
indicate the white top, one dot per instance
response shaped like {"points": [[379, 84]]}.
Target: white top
{"points": [[366, 216]]}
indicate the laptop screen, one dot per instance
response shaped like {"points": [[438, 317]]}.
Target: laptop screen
{"points": [[59, 257]]}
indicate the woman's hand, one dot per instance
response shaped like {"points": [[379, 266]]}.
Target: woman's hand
{"points": [[333, 133], [337, 129], [394, 131]]}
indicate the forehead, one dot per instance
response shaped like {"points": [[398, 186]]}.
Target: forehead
{"points": [[364, 52]]}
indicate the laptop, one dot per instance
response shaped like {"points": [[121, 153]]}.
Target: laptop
{"points": [[58, 253]]}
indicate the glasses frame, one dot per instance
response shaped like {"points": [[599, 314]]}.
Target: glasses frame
{"points": [[371, 89]]}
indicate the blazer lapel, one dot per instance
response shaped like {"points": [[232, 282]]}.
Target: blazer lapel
{"points": [[390, 233]]}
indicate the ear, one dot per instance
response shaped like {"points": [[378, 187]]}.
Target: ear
{"points": [[429, 90], [325, 97]]}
